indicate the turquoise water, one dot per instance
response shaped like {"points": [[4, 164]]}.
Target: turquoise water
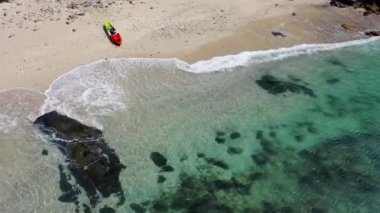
{"points": [[295, 135]]}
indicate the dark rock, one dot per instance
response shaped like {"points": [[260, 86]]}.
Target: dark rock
{"points": [[107, 209], [68, 197], [234, 150], [222, 184], [161, 179], [312, 129], [299, 138], [220, 140], [235, 135], [220, 133], [370, 6], [275, 86], [310, 156], [232, 185], [201, 155], [167, 168], [203, 204], [68, 191], [268, 207], [272, 134], [93, 164], [279, 34], [180, 203], [349, 27], [223, 209], [286, 209], [158, 159], [318, 210], [332, 81], [259, 134], [337, 62], [267, 147], [256, 176], [183, 158], [260, 159], [145, 203], [372, 33], [86, 209], [44, 152], [137, 208], [217, 163], [160, 206]]}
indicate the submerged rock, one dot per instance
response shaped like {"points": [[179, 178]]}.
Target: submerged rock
{"points": [[220, 133], [332, 81], [299, 138], [233, 185], [201, 155], [167, 168], [160, 206], [318, 210], [93, 164], [275, 86], [137, 208], [158, 159], [217, 163], [268, 147], [44, 152], [220, 140], [107, 209], [260, 159], [232, 150], [235, 135], [256, 176], [161, 179], [259, 134], [343, 166]]}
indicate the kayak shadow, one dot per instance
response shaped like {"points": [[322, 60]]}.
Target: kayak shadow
{"points": [[106, 32]]}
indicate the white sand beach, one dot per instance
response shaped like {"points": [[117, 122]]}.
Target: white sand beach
{"points": [[41, 40]]}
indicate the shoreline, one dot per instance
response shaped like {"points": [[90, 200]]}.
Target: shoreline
{"points": [[187, 68], [302, 23]]}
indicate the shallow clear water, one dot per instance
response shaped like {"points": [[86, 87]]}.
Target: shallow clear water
{"points": [[309, 144]]}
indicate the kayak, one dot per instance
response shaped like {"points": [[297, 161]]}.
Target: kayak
{"points": [[112, 33]]}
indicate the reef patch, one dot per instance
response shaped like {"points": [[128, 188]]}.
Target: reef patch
{"points": [[275, 86], [93, 164]]}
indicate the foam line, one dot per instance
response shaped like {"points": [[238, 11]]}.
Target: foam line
{"points": [[226, 63]]}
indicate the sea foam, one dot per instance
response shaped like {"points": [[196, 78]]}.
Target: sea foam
{"points": [[227, 63], [96, 89]]}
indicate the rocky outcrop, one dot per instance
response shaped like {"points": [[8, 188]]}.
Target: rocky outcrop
{"points": [[372, 33], [279, 34], [349, 27], [93, 164], [370, 6]]}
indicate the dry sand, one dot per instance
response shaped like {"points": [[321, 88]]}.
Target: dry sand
{"points": [[40, 41]]}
